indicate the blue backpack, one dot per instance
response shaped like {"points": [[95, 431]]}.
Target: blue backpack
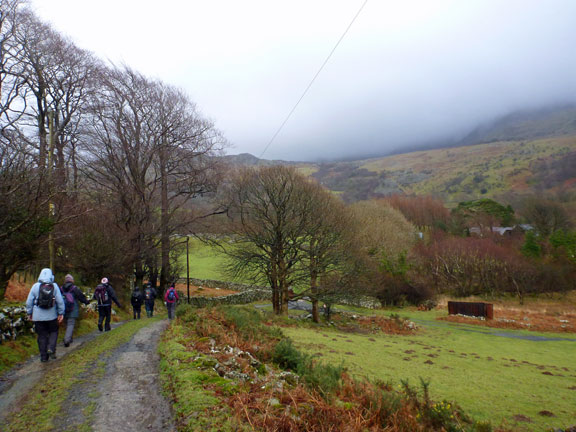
{"points": [[171, 295]]}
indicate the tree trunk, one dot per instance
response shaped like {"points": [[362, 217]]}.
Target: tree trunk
{"points": [[314, 297], [164, 220], [139, 274]]}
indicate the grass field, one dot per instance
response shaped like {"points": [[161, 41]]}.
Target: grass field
{"points": [[517, 383], [205, 262]]}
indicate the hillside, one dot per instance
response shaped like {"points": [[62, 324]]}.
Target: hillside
{"points": [[456, 174], [459, 173], [547, 122], [521, 153]]}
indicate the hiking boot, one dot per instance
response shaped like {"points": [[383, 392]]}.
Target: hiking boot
{"points": [[66, 344], [44, 360], [100, 327], [52, 354]]}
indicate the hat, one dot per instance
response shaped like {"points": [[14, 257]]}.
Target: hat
{"points": [[104, 280], [68, 278]]}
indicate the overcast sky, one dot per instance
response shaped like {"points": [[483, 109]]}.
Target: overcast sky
{"points": [[407, 71]]}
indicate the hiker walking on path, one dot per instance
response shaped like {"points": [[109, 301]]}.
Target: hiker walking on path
{"points": [[149, 298], [171, 297], [136, 300], [45, 307], [72, 297], [105, 295]]}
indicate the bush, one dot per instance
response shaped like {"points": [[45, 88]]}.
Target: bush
{"points": [[323, 378], [187, 313], [246, 320], [286, 355]]}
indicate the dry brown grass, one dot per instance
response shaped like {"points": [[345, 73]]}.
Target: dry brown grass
{"points": [[17, 291], [204, 291], [265, 403], [547, 314]]}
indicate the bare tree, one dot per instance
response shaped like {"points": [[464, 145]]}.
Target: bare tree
{"points": [[186, 165], [269, 210], [11, 92], [546, 215], [23, 221], [328, 242], [149, 149]]}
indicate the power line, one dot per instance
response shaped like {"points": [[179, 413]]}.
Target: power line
{"points": [[313, 79]]}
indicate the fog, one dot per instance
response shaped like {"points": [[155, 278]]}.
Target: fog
{"points": [[406, 73]]}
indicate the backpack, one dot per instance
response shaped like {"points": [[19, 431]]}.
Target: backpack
{"points": [[101, 294], [68, 300], [45, 296], [171, 295], [136, 297], [148, 294]]}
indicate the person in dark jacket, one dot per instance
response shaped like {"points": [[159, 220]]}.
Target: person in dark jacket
{"points": [[149, 298], [71, 316], [46, 319], [105, 295], [136, 300], [171, 298]]}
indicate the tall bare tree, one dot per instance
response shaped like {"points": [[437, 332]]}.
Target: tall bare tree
{"points": [[149, 149], [269, 210], [186, 165], [326, 250]]}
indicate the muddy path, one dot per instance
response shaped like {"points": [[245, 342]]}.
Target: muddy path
{"points": [[119, 391], [16, 383]]}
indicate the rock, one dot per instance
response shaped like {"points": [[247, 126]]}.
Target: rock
{"points": [[289, 377]]}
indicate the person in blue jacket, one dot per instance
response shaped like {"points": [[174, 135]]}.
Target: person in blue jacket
{"points": [[45, 307]]}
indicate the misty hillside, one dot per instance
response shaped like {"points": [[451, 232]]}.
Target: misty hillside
{"points": [[459, 173], [526, 125], [525, 152]]}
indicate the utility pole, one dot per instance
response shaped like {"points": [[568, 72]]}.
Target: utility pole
{"points": [[187, 268]]}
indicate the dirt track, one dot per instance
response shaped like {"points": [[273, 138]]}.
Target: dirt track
{"points": [[119, 392]]}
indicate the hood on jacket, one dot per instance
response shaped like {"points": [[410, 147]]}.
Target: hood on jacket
{"points": [[46, 276]]}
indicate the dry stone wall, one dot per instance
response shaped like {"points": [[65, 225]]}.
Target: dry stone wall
{"points": [[14, 322], [232, 299]]}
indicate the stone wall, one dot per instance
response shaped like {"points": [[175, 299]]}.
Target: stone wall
{"points": [[360, 301], [14, 322], [232, 286], [232, 299]]}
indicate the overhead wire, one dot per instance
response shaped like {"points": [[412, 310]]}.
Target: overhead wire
{"points": [[312, 81]]}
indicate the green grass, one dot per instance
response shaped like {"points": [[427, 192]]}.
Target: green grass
{"points": [[205, 262], [44, 402], [14, 352], [184, 374], [492, 378]]}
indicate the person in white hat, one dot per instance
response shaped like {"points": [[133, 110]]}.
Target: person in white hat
{"points": [[105, 295]]}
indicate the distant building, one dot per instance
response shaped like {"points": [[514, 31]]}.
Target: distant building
{"points": [[509, 231]]}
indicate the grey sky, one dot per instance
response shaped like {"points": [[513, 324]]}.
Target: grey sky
{"points": [[408, 71]]}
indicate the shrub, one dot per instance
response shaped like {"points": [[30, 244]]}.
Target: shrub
{"points": [[286, 355], [323, 378]]}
